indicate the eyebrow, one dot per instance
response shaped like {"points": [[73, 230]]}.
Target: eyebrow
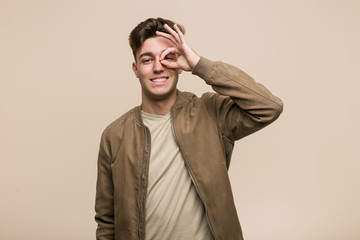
{"points": [[146, 54], [149, 54]]}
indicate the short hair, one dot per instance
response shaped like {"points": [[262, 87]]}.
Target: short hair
{"points": [[147, 29]]}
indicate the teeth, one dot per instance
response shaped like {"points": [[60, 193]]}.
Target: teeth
{"points": [[159, 80]]}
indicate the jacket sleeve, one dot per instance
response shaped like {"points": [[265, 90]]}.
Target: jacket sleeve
{"points": [[104, 202], [242, 106]]}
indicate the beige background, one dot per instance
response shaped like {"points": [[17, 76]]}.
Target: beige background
{"points": [[65, 73]]}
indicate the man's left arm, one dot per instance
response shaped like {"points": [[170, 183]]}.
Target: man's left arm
{"points": [[243, 106]]}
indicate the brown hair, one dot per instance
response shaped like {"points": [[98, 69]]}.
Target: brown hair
{"points": [[147, 29]]}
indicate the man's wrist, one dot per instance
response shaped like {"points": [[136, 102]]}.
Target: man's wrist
{"points": [[203, 67], [194, 62]]}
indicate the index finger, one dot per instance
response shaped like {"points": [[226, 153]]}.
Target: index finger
{"points": [[167, 52]]}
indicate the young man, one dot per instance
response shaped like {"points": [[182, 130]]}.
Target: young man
{"points": [[162, 166]]}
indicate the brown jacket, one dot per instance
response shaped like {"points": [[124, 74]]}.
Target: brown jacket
{"points": [[205, 129]]}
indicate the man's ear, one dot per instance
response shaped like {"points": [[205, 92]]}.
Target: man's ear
{"points": [[134, 68]]}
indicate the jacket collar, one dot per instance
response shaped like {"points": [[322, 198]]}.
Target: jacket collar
{"points": [[180, 99]]}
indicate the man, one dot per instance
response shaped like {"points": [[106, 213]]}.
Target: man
{"points": [[162, 166]]}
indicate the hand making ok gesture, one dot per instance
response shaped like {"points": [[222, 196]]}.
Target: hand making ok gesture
{"points": [[185, 57]]}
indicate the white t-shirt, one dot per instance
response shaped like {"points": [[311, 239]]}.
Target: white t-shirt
{"points": [[173, 207]]}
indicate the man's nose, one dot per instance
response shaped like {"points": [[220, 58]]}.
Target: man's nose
{"points": [[158, 67]]}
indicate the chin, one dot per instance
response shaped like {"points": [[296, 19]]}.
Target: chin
{"points": [[159, 96]]}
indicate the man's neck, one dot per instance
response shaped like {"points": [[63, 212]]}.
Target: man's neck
{"points": [[158, 107]]}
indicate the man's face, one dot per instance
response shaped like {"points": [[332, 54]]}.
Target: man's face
{"points": [[157, 81]]}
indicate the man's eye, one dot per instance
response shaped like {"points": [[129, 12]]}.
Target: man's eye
{"points": [[170, 57], [147, 60]]}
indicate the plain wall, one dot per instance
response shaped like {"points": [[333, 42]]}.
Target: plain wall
{"points": [[65, 74]]}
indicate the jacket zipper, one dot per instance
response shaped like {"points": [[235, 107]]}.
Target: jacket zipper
{"points": [[191, 176], [141, 184]]}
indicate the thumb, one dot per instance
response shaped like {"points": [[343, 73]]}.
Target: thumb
{"points": [[170, 64]]}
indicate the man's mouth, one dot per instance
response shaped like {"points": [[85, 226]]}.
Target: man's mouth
{"points": [[159, 81]]}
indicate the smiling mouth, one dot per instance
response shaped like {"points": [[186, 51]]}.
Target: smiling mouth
{"points": [[159, 80]]}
